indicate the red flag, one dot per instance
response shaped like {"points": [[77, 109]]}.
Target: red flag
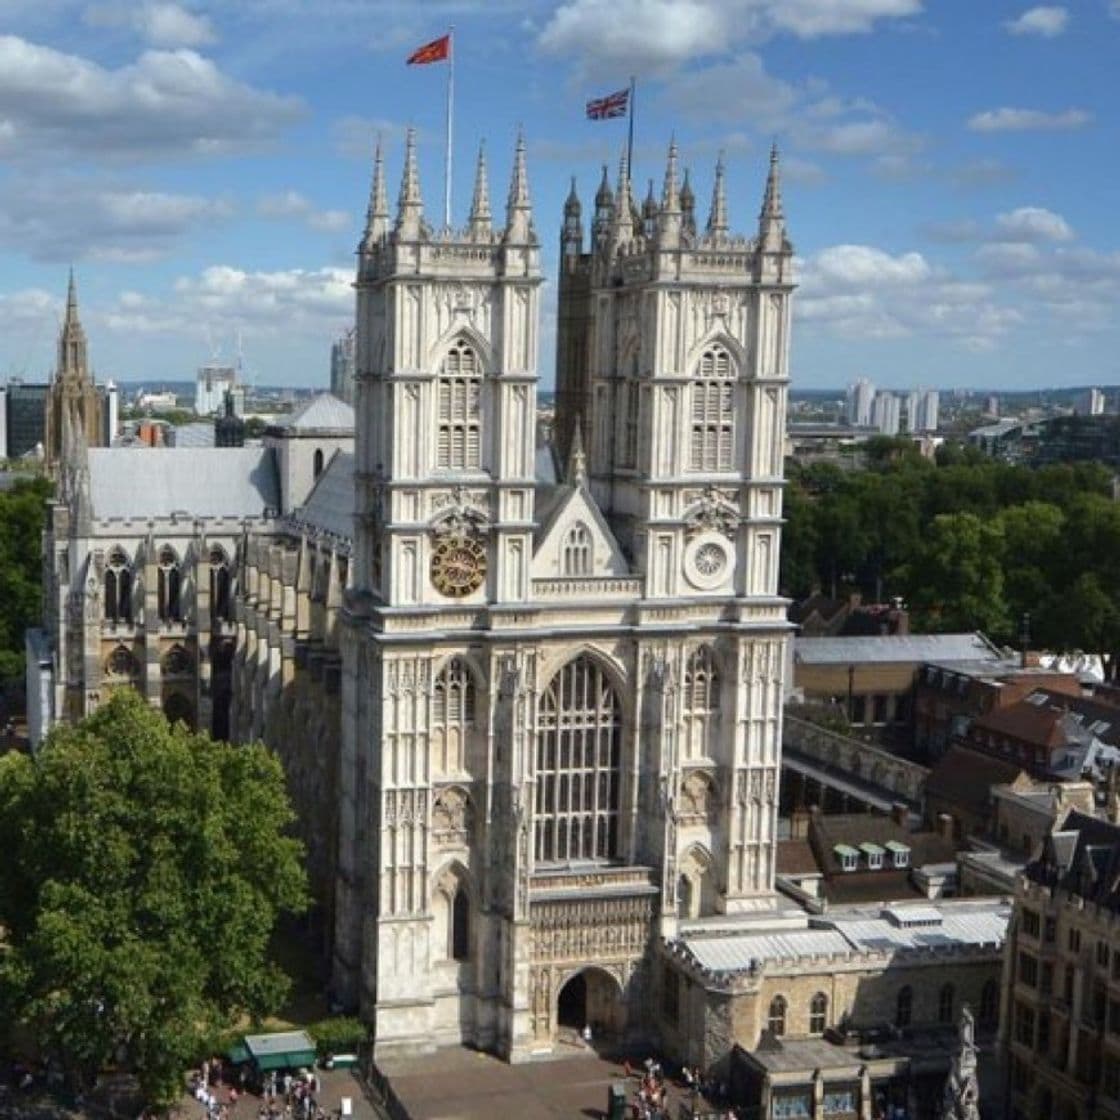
{"points": [[609, 107], [438, 50]]}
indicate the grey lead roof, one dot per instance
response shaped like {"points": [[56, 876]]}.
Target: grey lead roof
{"points": [[137, 483], [895, 647], [330, 505], [324, 412]]}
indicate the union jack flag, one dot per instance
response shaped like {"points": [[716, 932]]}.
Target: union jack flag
{"points": [[606, 108]]}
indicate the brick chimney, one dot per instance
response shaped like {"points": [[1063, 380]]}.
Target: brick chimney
{"points": [[945, 826]]}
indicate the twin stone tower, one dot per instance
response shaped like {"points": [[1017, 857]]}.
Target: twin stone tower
{"points": [[562, 668]]}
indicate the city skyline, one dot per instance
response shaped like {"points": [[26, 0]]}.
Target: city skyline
{"points": [[203, 163]]}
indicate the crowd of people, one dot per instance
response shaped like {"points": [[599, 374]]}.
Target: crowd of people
{"points": [[284, 1096], [650, 1100]]}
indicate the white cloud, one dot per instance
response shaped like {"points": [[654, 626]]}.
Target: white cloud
{"points": [[1033, 223], [867, 266], [739, 90], [643, 34], [812, 18], [292, 204], [295, 301], [1027, 120], [1046, 21], [164, 103], [159, 22], [1078, 284], [80, 217], [661, 34], [861, 292]]}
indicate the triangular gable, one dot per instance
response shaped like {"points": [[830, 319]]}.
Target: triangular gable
{"points": [[574, 508]]}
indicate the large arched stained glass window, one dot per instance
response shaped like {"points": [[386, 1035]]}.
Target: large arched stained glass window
{"points": [[579, 747]]}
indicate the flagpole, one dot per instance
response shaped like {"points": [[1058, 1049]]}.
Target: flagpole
{"points": [[450, 108], [630, 137]]}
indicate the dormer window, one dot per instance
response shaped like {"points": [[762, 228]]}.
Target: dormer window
{"points": [[874, 855], [848, 857], [900, 853]]}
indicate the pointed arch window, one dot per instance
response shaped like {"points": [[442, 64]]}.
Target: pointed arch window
{"points": [[818, 1013], [632, 403], [169, 586], [460, 925], [701, 703], [317, 462], [221, 603], [904, 1006], [118, 588], [945, 1002], [453, 708], [989, 1004], [576, 553], [578, 765], [712, 439], [776, 1020], [459, 409]]}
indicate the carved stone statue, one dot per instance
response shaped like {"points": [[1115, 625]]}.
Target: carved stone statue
{"points": [[962, 1091]]}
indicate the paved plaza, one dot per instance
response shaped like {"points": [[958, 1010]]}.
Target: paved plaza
{"points": [[460, 1084]]}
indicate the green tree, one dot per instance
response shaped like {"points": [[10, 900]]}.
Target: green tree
{"points": [[1034, 554], [22, 509], [956, 580], [145, 868]]}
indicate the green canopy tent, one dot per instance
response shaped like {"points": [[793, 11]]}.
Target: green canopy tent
{"points": [[281, 1050]]}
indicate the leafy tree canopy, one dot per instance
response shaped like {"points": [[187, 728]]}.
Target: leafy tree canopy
{"points": [[967, 544], [22, 509], [145, 867]]}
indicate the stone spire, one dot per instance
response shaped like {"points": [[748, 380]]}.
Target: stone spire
{"points": [[572, 236], [688, 205], [670, 196], [669, 216], [480, 200], [771, 219], [649, 212], [519, 210], [377, 213], [604, 209], [576, 474], [72, 338], [623, 204], [410, 206], [717, 219]]}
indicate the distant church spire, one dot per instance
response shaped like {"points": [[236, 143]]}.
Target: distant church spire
{"points": [[410, 206], [72, 362], [717, 219], [480, 202], [519, 210], [377, 214]]}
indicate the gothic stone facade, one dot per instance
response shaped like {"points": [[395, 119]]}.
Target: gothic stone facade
{"points": [[560, 717]]}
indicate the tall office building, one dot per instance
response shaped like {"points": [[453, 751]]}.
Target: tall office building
{"points": [[342, 367], [861, 397], [212, 383], [886, 411]]}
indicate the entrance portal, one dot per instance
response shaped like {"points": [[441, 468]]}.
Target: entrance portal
{"points": [[571, 1007], [592, 998]]}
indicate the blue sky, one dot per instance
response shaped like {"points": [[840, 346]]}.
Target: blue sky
{"points": [[950, 166]]}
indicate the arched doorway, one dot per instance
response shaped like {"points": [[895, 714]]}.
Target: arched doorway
{"points": [[592, 997]]}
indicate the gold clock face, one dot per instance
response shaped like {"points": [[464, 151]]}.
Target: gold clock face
{"points": [[458, 565]]}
